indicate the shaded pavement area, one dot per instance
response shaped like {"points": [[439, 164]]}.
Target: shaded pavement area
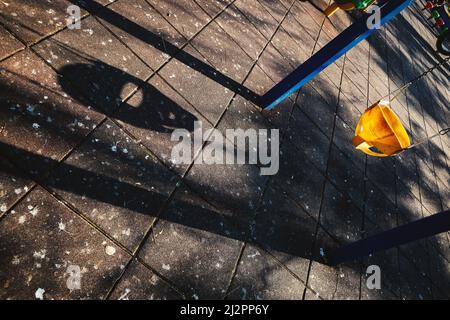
{"points": [[87, 181]]}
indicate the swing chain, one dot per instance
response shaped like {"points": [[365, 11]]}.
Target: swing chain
{"points": [[441, 132], [403, 88], [444, 131]]}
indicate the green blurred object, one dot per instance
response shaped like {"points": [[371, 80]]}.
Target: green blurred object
{"points": [[435, 14], [362, 4], [347, 5], [358, 4]]}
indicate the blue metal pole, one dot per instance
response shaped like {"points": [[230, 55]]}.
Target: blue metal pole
{"points": [[346, 40]]}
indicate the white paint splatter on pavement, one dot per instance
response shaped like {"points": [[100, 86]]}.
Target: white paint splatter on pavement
{"points": [[110, 250], [39, 294], [166, 267]]}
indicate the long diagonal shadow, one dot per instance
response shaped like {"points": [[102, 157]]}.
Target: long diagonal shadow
{"points": [[156, 41], [200, 218], [71, 181]]}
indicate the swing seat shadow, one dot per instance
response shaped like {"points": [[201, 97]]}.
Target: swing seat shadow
{"points": [[164, 115]]}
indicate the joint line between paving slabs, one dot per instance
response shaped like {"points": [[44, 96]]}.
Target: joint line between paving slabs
{"points": [[19, 199], [234, 272], [320, 31], [326, 175], [266, 10], [245, 243], [363, 215], [396, 184], [413, 155], [433, 169]]}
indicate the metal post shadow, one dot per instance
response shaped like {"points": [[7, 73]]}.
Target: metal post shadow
{"points": [[416, 230], [346, 40]]}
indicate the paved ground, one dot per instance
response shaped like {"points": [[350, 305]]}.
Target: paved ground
{"points": [[86, 180]]}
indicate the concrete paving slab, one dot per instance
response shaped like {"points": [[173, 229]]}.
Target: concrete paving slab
{"points": [[13, 185], [155, 40], [243, 32], [40, 123], [313, 104], [348, 179], [213, 7], [187, 17], [29, 21], [46, 247], [110, 71], [194, 246], [276, 9], [153, 115], [259, 276], [300, 179], [259, 16], [9, 43], [115, 183], [309, 139], [140, 283], [223, 52], [286, 230], [209, 97], [347, 225], [340, 283]]}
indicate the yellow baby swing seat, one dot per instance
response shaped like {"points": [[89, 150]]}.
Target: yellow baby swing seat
{"points": [[379, 132]]}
